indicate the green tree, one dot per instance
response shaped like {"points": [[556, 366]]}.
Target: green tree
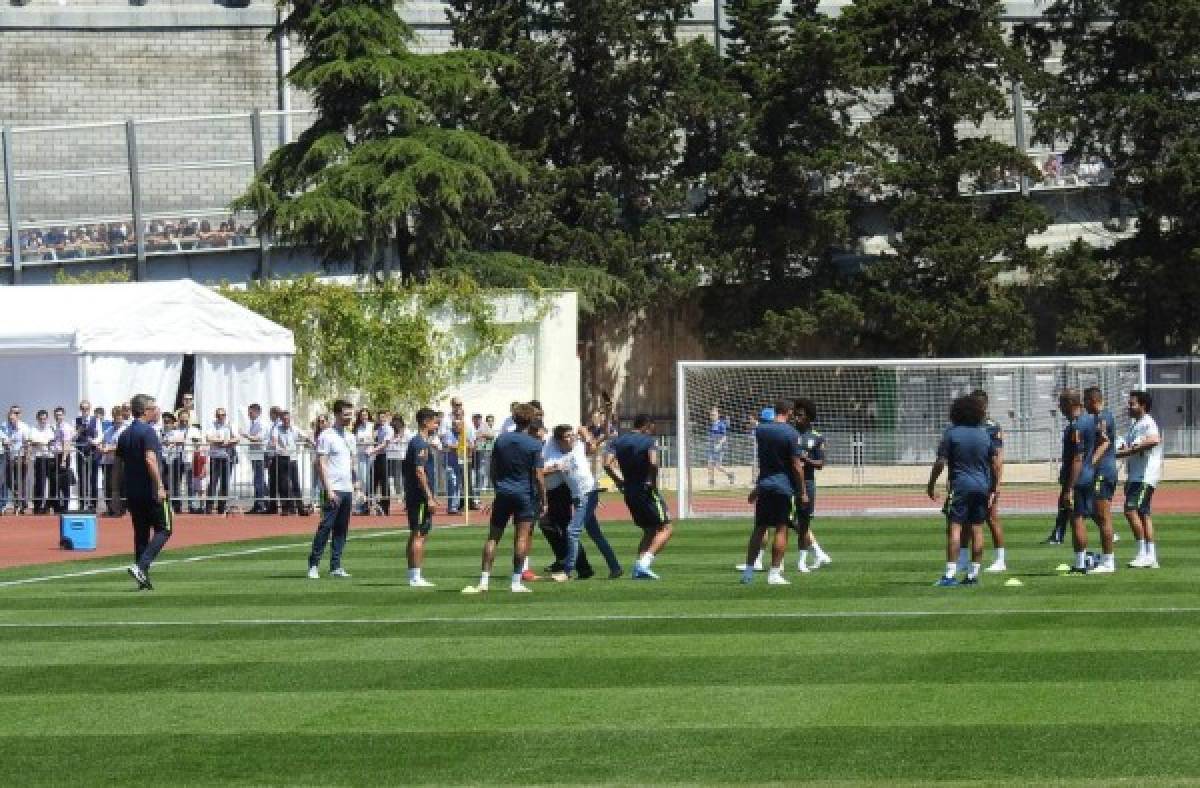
{"points": [[777, 216], [586, 99], [383, 175], [1127, 93], [944, 69], [1071, 297]]}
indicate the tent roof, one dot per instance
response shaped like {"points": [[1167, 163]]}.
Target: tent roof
{"points": [[128, 318]]}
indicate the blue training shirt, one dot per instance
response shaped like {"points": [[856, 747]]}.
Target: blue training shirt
{"points": [[778, 442], [967, 452], [418, 455], [1082, 439], [132, 446], [632, 451], [515, 458], [1107, 466], [812, 444]]}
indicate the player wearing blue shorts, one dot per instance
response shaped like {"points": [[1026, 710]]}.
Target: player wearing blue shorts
{"points": [[635, 455], [520, 496], [812, 445], [1104, 487], [417, 469], [967, 450], [780, 482], [996, 435], [1084, 445]]}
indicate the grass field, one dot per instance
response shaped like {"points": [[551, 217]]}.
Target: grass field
{"points": [[238, 670]]}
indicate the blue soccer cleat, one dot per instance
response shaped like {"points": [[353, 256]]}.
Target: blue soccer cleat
{"points": [[969, 581], [946, 582], [642, 573]]}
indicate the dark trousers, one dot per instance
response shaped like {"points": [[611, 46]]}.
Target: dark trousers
{"points": [[272, 504], [43, 476], [286, 476], [260, 485], [335, 521], [87, 464], [382, 483], [149, 516], [60, 488], [218, 477], [554, 528]]}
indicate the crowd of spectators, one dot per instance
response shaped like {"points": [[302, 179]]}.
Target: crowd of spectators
{"points": [[108, 239], [58, 464]]}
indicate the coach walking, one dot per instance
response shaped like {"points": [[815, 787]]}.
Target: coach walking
{"points": [[140, 452]]}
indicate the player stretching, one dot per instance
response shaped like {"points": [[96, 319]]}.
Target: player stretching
{"points": [[520, 495], [1085, 444], [1142, 448], [636, 455], [812, 445], [417, 468], [996, 435], [970, 454], [781, 473]]}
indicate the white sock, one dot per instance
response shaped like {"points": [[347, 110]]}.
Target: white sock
{"points": [[1080, 559], [803, 558], [818, 552], [964, 557], [1000, 555], [1151, 551], [951, 568], [483, 579], [1110, 560], [973, 572], [1141, 546], [757, 560], [646, 559], [516, 578], [525, 564], [414, 574]]}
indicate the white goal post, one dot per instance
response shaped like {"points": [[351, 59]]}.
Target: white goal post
{"points": [[882, 420]]}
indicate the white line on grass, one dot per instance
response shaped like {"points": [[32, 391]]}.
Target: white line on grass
{"points": [[258, 622], [191, 559]]}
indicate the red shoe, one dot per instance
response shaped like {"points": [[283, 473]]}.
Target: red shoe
{"points": [[528, 576]]}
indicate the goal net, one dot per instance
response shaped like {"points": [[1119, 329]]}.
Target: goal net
{"points": [[882, 421]]}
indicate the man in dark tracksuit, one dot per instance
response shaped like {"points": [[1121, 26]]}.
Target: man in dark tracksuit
{"points": [[141, 452]]}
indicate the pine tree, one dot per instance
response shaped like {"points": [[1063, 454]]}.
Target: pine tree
{"points": [[944, 67], [383, 169]]}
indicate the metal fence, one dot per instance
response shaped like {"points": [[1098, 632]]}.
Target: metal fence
{"points": [[126, 190]]}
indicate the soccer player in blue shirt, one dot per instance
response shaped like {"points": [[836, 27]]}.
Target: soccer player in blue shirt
{"points": [[1105, 484], [812, 444], [635, 454], [418, 470], [520, 496], [140, 451], [718, 439], [780, 475], [1084, 445], [969, 453], [996, 434]]}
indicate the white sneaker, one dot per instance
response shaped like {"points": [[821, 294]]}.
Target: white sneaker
{"points": [[314, 573], [1141, 562], [420, 582], [997, 566], [475, 590], [520, 588], [776, 579], [758, 567], [821, 560], [802, 566], [559, 577], [1102, 569], [339, 572]]}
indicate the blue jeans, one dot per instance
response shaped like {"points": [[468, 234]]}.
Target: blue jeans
{"points": [[584, 519], [453, 482], [260, 484], [335, 520]]}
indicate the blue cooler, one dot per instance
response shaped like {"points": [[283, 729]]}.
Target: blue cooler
{"points": [[77, 531]]}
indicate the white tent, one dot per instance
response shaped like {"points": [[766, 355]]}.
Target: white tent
{"points": [[106, 342]]}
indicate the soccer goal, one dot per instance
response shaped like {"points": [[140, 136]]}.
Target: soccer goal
{"points": [[882, 421]]}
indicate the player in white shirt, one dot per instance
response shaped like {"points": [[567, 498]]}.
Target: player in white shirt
{"points": [[336, 453], [1142, 450], [572, 461]]}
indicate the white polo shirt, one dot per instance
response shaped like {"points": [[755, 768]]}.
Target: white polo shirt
{"points": [[1146, 466], [574, 468], [340, 447]]}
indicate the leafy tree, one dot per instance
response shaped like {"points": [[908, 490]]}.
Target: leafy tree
{"points": [[945, 68], [586, 100], [383, 174], [775, 220], [1127, 93], [1071, 295]]}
